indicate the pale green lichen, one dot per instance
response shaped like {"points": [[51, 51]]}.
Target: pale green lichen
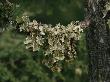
{"points": [[107, 6], [58, 42], [108, 9]]}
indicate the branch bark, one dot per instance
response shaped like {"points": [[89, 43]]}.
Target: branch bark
{"points": [[98, 42]]}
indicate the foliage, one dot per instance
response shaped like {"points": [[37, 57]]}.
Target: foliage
{"points": [[6, 13], [51, 11]]}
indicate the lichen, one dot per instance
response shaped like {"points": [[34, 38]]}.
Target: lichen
{"points": [[58, 42]]}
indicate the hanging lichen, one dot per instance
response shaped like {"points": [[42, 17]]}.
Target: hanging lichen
{"points": [[58, 42]]}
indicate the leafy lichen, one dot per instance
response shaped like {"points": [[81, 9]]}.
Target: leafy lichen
{"points": [[58, 42]]}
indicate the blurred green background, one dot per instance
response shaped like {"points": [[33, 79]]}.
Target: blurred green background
{"points": [[20, 65]]}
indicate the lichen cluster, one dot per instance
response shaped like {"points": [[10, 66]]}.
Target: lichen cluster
{"points": [[107, 6], [58, 42], [108, 9]]}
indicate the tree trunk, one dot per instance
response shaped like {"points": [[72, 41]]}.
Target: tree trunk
{"points": [[98, 42]]}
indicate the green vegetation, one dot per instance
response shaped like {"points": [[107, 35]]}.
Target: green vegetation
{"points": [[20, 65]]}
